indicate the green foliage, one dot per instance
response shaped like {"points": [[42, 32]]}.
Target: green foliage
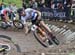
{"points": [[17, 2]]}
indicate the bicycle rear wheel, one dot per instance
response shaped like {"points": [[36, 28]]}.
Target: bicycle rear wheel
{"points": [[18, 24], [4, 25]]}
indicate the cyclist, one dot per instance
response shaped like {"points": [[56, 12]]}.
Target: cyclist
{"points": [[4, 15], [35, 17]]}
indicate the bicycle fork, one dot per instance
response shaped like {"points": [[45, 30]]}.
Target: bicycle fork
{"points": [[44, 36]]}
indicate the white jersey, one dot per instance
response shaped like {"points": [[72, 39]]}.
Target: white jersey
{"points": [[6, 9], [29, 14], [29, 10]]}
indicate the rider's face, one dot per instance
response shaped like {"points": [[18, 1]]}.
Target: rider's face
{"points": [[23, 13]]}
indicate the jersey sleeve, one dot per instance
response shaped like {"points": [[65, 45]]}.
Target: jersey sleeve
{"points": [[27, 16]]}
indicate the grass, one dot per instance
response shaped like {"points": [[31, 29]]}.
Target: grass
{"points": [[17, 2]]}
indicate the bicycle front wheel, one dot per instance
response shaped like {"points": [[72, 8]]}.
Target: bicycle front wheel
{"points": [[7, 46], [43, 40]]}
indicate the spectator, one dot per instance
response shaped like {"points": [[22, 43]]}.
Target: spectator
{"points": [[14, 8], [69, 3], [0, 7], [60, 6], [34, 4], [10, 6], [48, 3], [52, 5], [67, 7], [3, 5], [30, 4], [40, 4], [24, 5]]}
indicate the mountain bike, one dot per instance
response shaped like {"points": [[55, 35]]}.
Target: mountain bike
{"points": [[43, 36]]}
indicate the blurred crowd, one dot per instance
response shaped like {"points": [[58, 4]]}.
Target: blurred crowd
{"points": [[65, 5], [10, 6], [53, 4]]}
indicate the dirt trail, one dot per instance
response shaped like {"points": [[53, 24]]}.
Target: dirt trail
{"points": [[30, 46]]}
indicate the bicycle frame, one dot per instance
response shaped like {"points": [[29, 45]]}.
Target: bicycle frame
{"points": [[42, 35], [41, 31]]}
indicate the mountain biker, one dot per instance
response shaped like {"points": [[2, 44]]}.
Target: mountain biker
{"points": [[35, 17], [4, 15]]}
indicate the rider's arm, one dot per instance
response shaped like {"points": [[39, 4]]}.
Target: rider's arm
{"points": [[24, 18]]}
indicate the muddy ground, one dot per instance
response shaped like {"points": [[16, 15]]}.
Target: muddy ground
{"points": [[30, 46]]}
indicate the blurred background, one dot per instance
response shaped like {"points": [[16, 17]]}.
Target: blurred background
{"points": [[50, 9]]}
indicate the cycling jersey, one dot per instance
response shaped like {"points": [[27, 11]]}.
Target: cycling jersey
{"points": [[30, 14], [4, 11]]}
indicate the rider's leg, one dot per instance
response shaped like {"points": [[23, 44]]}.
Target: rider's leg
{"points": [[42, 22], [46, 27], [53, 38]]}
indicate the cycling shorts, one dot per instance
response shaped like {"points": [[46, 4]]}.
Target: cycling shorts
{"points": [[34, 18]]}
